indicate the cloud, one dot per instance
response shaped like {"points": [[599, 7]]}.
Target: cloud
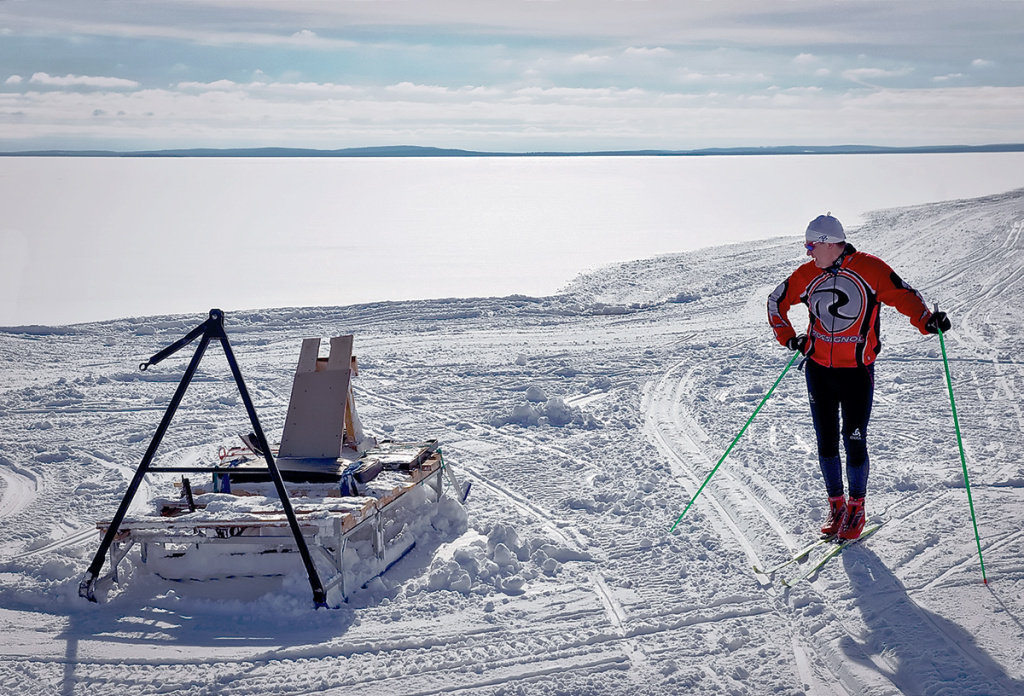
{"points": [[509, 118], [578, 95], [688, 77], [41, 78], [215, 86], [588, 61], [644, 52], [296, 90], [411, 88], [863, 75], [306, 89], [278, 72], [812, 90]]}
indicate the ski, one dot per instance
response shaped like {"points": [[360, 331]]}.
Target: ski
{"points": [[830, 554], [798, 556]]}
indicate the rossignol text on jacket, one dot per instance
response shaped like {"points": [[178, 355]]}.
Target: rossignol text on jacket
{"points": [[844, 302]]}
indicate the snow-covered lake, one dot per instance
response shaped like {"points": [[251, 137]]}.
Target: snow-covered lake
{"points": [[561, 578], [85, 239]]}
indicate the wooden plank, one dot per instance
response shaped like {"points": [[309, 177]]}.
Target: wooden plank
{"points": [[308, 355], [315, 420]]}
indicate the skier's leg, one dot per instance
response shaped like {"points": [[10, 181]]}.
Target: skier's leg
{"points": [[832, 472], [858, 396], [825, 416]]}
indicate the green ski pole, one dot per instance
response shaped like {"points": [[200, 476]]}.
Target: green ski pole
{"points": [[963, 459], [735, 440]]}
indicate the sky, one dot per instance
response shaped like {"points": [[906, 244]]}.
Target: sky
{"points": [[508, 75]]}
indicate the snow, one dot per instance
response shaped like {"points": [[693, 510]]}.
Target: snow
{"points": [[585, 421]]}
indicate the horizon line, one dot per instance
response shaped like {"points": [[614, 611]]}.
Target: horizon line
{"points": [[428, 151]]}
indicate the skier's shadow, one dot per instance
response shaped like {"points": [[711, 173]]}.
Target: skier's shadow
{"points": [[925, 649]]}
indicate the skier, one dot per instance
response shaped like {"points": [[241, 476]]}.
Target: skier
{"points": [[843, 289]]}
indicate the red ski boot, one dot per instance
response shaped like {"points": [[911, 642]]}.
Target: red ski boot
{"points": [[853, 520], [836, 509]]}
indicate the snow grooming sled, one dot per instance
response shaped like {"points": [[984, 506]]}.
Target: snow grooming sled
{"points": [[350, 511]]}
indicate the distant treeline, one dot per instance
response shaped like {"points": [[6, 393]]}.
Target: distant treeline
{"points": [[415, 151]]}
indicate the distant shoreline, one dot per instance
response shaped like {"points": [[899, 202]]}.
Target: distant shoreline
{"points": [[416, 151]]}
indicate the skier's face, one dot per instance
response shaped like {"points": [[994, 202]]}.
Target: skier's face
{"points": [[824, 254]]}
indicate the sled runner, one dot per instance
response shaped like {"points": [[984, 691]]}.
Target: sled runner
{"points": [[329, 498]]}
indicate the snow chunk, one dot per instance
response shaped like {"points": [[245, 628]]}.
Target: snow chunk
{"points": [[535, 394], [554, 411], [500, 562]]}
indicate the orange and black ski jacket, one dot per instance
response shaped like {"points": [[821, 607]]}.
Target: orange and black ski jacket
{"points": [[844, 302]]}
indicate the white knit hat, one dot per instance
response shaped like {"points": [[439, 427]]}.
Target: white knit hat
{"points": [[825, 228]]}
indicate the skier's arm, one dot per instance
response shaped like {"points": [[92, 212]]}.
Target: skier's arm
{"points": [[779, 302], [907, 301]]}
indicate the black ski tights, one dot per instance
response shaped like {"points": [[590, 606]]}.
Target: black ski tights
{"points": [[850, 391]]}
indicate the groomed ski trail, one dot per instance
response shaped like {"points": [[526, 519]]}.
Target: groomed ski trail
{"points": [[677, 435]]}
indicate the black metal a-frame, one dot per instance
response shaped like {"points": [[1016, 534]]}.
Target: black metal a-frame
{"points": [[212, 328]]}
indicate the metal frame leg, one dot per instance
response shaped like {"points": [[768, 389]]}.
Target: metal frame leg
{"points": [[212, 328]]}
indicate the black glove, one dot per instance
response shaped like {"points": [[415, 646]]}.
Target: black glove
{"points": [[797, 343], [937, 322]]}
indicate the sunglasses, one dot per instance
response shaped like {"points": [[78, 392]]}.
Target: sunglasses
{"points": [[809, 246]]}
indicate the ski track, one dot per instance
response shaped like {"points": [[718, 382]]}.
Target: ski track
{"points": [[616, 615], [668, 412], [665, 408], [19, 492], [561, 531], [852, 626], [680, 466]]}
